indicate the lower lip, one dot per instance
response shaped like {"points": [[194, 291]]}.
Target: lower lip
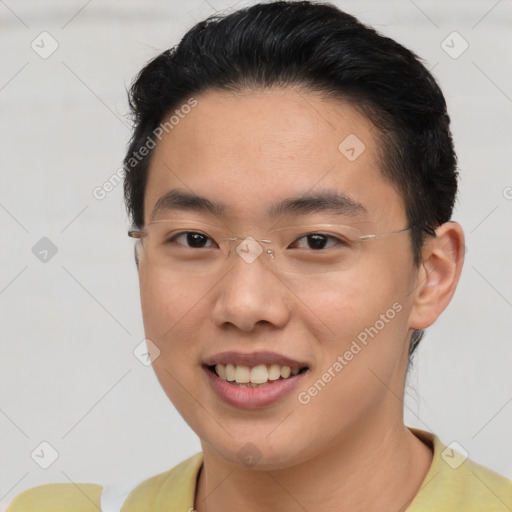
{"points": [[253, 398]]}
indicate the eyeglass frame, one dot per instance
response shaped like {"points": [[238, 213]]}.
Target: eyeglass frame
{"points": [[139, 234]]}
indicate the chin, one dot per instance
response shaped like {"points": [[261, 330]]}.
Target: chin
{"points": [[259, 453]]}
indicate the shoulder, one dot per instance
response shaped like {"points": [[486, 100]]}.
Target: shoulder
{"points": [[481, 487], [58, 498], [173, 490], [456, 483]]}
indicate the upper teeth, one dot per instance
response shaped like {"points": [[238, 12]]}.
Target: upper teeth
{"points": [[260, 374]]}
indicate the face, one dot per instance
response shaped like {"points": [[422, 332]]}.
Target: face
{"points": [[345, 332]]}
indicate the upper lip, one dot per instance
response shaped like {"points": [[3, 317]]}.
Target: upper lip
{"points": [[253, 359]]}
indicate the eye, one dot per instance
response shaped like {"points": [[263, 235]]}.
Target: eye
{"points": [[192, 239], [317, 241]]}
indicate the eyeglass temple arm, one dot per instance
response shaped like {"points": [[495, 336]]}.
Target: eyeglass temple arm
{"points": [[380, 235], [135, 233]]}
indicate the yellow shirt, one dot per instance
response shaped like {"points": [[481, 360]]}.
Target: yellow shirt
{"points": [[452, 484]]}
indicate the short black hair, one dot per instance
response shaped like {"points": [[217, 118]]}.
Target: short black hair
{"points": [[319, 48]]}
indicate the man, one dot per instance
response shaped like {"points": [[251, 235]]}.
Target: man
{"points": [[291, 180]]}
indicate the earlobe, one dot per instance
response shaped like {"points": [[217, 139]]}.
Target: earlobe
{"points": [[438, 275]]}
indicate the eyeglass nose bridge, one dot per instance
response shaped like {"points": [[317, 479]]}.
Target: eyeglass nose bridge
{"points": [[250, 249]]}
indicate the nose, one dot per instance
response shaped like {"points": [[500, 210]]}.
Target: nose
{"points": [[251, 294]]}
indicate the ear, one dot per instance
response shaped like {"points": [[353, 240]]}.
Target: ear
{"points": [[438, 275]]}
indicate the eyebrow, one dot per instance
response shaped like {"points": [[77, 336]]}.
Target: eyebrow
{"points": [[320, 202]]}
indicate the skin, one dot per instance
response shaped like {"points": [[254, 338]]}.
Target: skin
{"points": [[349, 445]]}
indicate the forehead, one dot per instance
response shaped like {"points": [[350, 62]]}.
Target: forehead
{"points": [[251, 150]]}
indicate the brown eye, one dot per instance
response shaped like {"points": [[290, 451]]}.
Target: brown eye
{"points": [[318, 241], [192, 239]]}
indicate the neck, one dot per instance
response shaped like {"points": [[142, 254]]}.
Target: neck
{"points": [[367, 469]]}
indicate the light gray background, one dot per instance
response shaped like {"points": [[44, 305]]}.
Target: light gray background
{"points": [[69, 326]]}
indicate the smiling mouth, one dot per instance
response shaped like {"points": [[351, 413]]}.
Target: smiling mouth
{"points": [[256, 376]]}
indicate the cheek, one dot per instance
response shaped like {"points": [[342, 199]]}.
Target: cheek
{"points": [[163, 297], [349, 303], [363, 350], [168, 307], [364, 316]]}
